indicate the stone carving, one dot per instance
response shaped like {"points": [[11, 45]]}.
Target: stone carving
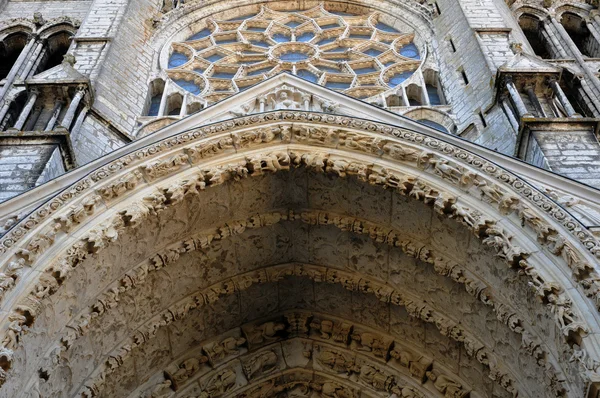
{"points": [[126, 183], [161, 168], [580, 356], [95, 247], [271, 162], [493, 193], [339, 332], [361, 227], [497, 238], [541, 227], [161, 390], [221, 382], [377, 378], [336, 361], [446, 385], [331, 389], [260, 364], [372, 342], [417, 364], [406, 153], [264, 332], [286, 97], [221, 349], [451, 172], [209, 149], [186, 370]]}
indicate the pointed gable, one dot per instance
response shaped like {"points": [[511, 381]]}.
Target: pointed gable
{"points": [[63, 73], [525, 63]]}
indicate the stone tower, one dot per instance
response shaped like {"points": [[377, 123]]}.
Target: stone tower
{"points": [[384, 198]]}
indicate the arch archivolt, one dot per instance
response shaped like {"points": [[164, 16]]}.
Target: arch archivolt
{"points": [[131, 193], [354, 281], [331, 353]]}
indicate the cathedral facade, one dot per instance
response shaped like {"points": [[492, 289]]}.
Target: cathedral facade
{"points": [[339, 199]]}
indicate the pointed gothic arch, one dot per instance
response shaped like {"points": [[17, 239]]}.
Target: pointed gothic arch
{"points": [[142, 243]]}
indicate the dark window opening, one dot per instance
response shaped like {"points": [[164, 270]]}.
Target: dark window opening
{"points": [[532, 28], [10, 49], [14, 110], [452, 46], [156, 91], [580, 34], [464, 76], [483, 122], [56, 48]]}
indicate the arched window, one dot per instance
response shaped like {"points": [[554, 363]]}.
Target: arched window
{"points": [[56, 47], [10, 49], [415, 95], [432, 87], [533, 29], [394, 100], [14, 110], [580, 34], [434, 125], [174, 103], [156, 90]]}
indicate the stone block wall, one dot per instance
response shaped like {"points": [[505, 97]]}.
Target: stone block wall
{"points": [[478, 55], [20, 167], [574, 153]]}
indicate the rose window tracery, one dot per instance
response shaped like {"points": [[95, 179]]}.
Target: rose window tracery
{"points": [[362, 54]]}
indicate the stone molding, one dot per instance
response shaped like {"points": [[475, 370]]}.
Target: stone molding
{"points": [[437, 161]]}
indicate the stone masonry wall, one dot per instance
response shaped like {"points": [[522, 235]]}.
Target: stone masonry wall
{"points": [[21, 166], [574, 154], [457, 22], [49, 9]]}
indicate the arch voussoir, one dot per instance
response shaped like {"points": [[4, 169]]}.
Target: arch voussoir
{"points": [[455, 184]]}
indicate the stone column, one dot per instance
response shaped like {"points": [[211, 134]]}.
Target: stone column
{"points": [[183, 110], [261, 102], [68, 118], [306, 102], [26, 110], [35, 54], [589, 73], [55, 112], [163, 100], [549, 30], [517, 100], [16, 67], [33, 118], [562, 98], [4, 110], [404, 96], [509, 112], [535, 101]]}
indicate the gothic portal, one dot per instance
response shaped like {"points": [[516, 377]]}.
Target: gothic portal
{"points": [[281, 199]]}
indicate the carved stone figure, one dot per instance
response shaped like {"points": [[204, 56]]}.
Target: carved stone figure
{"points": [[339, 332], [223, 348], [373, 342], [221, 382], [446, 385], [331, 389], [260, 364], [186, 370], [336, 361], [161, 390], [376, 378], [265, 332], [418, 365]]}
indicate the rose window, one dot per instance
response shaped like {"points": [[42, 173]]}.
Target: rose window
{"points": [[362, 55]]}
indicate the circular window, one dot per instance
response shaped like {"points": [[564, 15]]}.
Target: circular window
{"points": [[356, 54]]}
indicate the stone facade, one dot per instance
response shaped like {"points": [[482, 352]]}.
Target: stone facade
{"points": [[299, 199]]}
